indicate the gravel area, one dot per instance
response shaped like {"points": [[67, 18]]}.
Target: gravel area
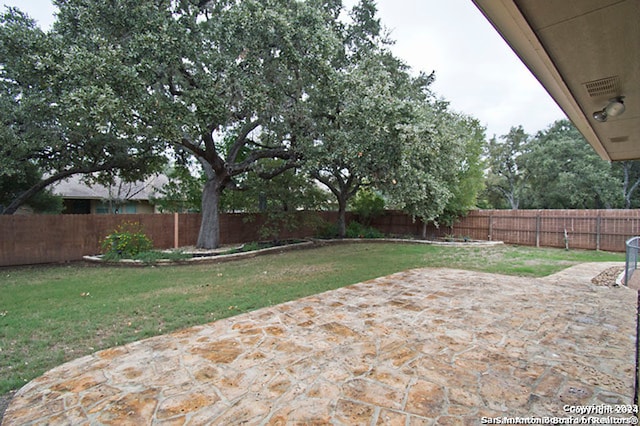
{"points": [[608, 277]]}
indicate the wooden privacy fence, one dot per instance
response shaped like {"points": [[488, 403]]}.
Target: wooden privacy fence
{"points": [[34, 239], [37, 239], [585, 229]]}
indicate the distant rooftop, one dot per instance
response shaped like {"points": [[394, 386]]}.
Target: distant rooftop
{"points": [[75, 188]]}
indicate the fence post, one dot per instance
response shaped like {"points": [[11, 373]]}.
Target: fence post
{"points": [[538, 230], [598, 224], [490, 227], [176, 230]]}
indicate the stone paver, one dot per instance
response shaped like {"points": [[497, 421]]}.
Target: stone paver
{"points": [[420, 347]]}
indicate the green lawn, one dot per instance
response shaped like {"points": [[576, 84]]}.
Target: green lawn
{"points": [[52, 314]]}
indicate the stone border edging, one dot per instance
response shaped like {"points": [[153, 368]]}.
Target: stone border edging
{"points": [[220, 258], [472, 243]]}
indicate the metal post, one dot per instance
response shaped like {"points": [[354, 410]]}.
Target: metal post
{"points": [[631, 258]]}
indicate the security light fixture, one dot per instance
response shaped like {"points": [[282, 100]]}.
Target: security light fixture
{"points": [[614, 107], [600, 116]]}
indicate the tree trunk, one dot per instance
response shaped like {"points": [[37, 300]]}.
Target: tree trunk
{"points": [[625, 185], [513, 201], [342, 217], [209, 236]]}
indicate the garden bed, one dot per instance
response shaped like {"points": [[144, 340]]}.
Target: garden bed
{"points": [[190, 255], [242, 251]]}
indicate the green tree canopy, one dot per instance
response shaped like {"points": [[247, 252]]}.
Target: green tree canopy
{"points": [[58, 119], [564, 172], [359, 133], [361, 111], [507, 174], [468, 167], [221, 80], [432, 170]]}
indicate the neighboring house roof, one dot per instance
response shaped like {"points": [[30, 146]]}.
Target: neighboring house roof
{"points": [[585, 53], [75, 188]]}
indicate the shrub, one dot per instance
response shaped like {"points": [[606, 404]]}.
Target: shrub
{"points": [[126, 241], [252, 246], [326, 230], [368, 205], [358, 230]]}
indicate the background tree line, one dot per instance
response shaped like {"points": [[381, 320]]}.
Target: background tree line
{"points": [[555, 169]]}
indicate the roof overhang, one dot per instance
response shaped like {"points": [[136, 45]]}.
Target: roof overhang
{"points": [[584, 53]]}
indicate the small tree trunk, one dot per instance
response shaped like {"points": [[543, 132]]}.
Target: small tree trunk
{"points": [[342, 217], [209, 236], [513, 201]]}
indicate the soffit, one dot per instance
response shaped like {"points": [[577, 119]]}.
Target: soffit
{"points": [[573, 45]]}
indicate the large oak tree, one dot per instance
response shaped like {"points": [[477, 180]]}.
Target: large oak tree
{"points": [[225, 81], [362, 111]]}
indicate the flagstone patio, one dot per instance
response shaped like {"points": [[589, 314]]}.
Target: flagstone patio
{"points": [[420, 347]]}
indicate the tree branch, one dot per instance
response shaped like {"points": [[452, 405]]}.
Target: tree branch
{"points": [[326, 182], [187, 143], [247, 164], [28, 194], [279, 170], [241, 140], [190, 79], [173, 89]]}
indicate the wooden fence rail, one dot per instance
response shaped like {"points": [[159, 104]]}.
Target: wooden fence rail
{"points": [[37, 239]]}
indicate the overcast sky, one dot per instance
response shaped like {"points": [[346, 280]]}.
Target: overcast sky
{"points": [[475, 69]]}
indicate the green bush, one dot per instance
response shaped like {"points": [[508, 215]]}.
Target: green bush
{"points": [[252, 246], [368, 205], [358, 230], [126, 242], [326, 230]]}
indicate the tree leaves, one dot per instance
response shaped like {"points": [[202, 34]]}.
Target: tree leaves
{"points": [[63, 112]]}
